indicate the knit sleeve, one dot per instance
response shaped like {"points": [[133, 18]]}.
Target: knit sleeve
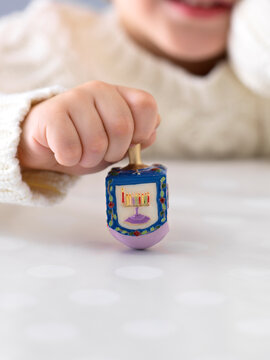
{"points": [[249, 44], [28, 187]]}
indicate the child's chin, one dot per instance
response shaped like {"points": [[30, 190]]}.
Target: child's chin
{"points": [[195, 51]]}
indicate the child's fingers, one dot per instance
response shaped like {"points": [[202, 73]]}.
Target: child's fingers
{"points": [[90, 128], [144, 110], [62, 138], [117, 120], [149, 141]]}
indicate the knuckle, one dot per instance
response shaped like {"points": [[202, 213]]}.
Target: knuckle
{"points": [[98, 145], [139, 137], [149, 141], [94, 152], [114, 157], [54, 108], [75, 95], [143, 135], [153, 137], [57, 110], [145, 101], [121, 128], [98, 85], [70, 152]]}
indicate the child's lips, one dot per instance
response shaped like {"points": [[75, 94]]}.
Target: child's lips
{"points": [[201, 8]]}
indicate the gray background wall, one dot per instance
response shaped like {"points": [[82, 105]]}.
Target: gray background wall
{"points": [[13, 5]]}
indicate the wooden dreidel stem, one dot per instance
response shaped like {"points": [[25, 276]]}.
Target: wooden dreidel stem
{"points": [[135, 160]]}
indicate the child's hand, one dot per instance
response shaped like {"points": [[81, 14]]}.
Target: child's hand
{"points": [[84, 129]]}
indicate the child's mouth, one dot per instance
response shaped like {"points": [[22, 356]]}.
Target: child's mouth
{"points": [[201, 8]]}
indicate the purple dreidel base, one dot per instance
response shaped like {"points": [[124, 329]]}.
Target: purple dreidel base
{"points": [[142, 241]]}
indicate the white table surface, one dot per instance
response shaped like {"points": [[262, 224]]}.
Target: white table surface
{"points": [[69, 291]]}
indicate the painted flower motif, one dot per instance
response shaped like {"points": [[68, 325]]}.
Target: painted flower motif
{"points": [[162, 200], [137, 233], [111, 204]]}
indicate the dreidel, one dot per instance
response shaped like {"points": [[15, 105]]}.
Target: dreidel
{"points": [[137, 202]]}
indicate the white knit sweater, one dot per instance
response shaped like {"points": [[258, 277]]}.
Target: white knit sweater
{"points": [[216, 116]]}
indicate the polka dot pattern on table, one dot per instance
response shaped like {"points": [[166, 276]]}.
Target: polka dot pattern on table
{"points": [[200, 298], [14, 301], [51, 332], [94, 297], [139, 272], [254, 326], [50, 271], [151, 328]]}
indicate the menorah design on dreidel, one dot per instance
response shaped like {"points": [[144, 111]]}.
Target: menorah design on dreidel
{"points": [[136, 200]]}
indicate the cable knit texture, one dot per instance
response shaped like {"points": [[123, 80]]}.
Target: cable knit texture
{"points": [[224, 114]]}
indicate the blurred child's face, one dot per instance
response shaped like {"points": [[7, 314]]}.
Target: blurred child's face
{"points": [[188, 30]]}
